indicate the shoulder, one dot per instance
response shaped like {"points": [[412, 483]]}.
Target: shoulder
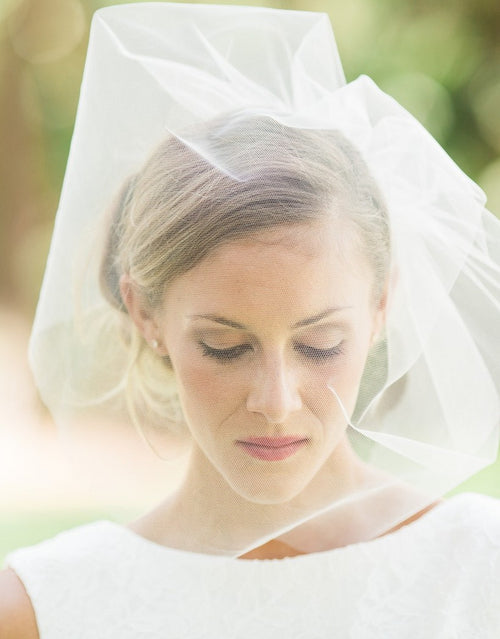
{"points": [[80, 543], [463, 540], [476, 521], [473, 511], [457, 538], [39, 579], [85, 575], [472, 546], [17, 617], [46, 567], [468, 517]]}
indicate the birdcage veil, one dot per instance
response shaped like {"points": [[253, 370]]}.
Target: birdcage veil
{"points": [[234, 92]]}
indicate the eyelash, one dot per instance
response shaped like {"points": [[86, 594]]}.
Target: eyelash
{"points": [[225, 355]]}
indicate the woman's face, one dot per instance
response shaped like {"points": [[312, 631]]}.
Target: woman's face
{"points": [[257, 333]]}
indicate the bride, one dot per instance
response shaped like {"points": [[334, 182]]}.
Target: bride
{"points": [[298, 290]]}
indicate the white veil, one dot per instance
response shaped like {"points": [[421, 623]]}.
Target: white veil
{"points": [[428, 410]]}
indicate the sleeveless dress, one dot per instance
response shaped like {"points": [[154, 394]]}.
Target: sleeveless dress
{"points": [[437, 578]]}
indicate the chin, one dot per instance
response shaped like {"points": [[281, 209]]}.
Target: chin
{"points": [[268, 490]]}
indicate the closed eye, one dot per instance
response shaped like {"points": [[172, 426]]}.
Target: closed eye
{"points": [[224, 354], [319, 354]]}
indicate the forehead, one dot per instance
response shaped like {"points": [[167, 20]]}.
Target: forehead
{"points": [[282, 272]]}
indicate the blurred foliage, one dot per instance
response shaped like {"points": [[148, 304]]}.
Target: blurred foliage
{"points": [[440, 60]]}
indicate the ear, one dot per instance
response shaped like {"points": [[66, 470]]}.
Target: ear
{"points": [[141, 314], [383, 306]]}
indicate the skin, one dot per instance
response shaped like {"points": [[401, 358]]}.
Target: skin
{"points": [[269, 284], [17, 617], [258, 333]]}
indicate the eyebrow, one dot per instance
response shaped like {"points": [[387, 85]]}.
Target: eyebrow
{"points": [[320, 316], [305, 322]]}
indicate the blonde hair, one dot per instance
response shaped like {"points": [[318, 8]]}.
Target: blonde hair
{"points": [[181, 206]]}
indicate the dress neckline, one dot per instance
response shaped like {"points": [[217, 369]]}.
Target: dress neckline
{"points": [[424, 521]]}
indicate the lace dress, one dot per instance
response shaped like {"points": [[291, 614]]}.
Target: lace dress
{"points": [[437, 578]]}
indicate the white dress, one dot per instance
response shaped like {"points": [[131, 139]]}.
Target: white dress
{"points": [[437, 578]]}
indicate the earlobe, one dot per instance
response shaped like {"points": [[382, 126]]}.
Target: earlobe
{"points": [[141, 314], [381, 316], [137, 308], [381, 310]]}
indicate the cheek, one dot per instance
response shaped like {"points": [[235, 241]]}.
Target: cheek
{"points": [[317, 393], [204, 390], [343, 376]]}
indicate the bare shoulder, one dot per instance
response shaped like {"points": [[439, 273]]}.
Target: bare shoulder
{"points": [[17, 617]]}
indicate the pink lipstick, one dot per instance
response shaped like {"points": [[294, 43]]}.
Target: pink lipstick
{"points": [[272, 448]]}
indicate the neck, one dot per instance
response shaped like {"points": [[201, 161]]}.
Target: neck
{"points": [[231, 523]]}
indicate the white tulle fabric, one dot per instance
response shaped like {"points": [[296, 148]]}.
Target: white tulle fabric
{"points": [[428, 411], [438, 577]]}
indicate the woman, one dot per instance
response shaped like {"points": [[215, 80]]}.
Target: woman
{"points": [[298, 329]]}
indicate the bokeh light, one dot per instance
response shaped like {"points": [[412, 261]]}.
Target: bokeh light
{"points": [[46, 30], [486, 102]]}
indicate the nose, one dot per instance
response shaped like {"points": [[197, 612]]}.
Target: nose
{"points": [[274, 392]]}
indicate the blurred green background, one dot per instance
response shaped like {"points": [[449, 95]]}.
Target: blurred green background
{"points": [[440, 60]]}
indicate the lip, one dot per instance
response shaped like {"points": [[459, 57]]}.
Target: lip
{"points": [[272, 448]]}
